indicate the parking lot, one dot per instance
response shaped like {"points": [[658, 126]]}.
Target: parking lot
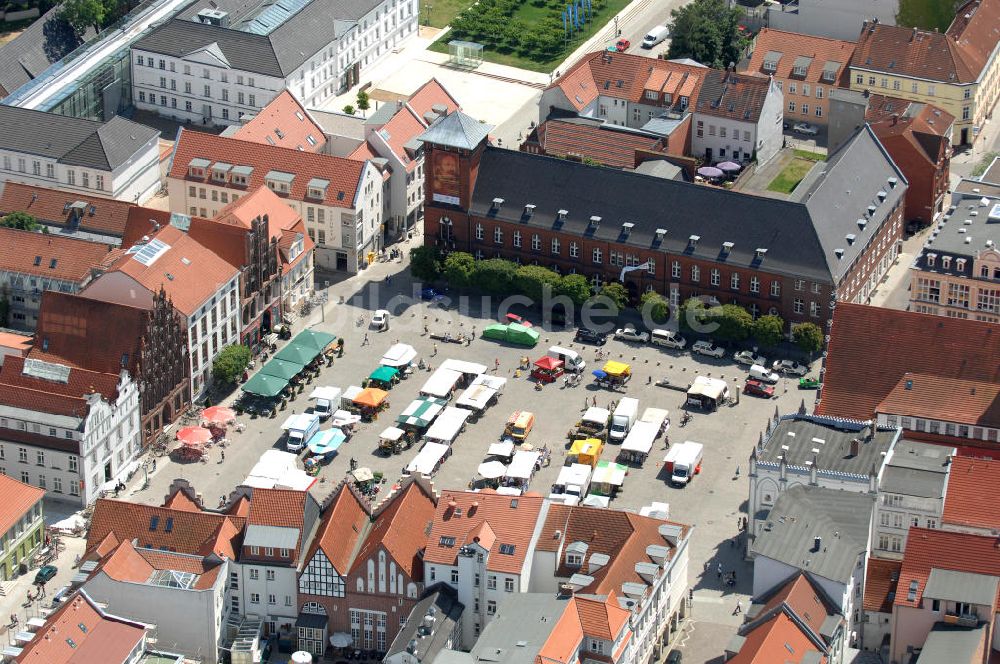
{"points": [[712, 502]]}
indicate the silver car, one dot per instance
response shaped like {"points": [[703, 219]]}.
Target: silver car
{"points": [[789, 368]]}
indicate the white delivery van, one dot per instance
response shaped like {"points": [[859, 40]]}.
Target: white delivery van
{"points": [[572, 361], [325, 398], [623, 418], [761, 373], [655, 36], [683, 462], [299, 429], [572, 484], [667, 339]]}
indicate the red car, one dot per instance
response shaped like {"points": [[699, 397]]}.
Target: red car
{"points": [[758, 389], [514, 318], [623, 45]]}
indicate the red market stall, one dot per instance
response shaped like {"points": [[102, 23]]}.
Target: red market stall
{"points": [[548, 369]]}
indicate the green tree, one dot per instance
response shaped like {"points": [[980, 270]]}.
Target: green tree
{"points": [[495, 275], [733, 322], [19, 220], [615, 292], [82, 14], [706, 31], [459, 269], [363, 103], [349, 110], [808, 337], [768, 330], [691, 315], [656, 305], [230, 363], [575, 287], [530, 280], [425, 263]]}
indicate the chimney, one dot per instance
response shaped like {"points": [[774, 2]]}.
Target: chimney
{"points": [[817, 543], [895, 119], [855, 446]]}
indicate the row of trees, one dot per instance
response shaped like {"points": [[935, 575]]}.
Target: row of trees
{"points": [[97, 14], [731, 323]]}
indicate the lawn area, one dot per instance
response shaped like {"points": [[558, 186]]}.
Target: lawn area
{"points": [[440, 12], [811, 156], [791, 175], [926, 14], [526, 13]]}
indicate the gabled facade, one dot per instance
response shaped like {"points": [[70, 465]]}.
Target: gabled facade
{"points": [[22, 524], [737, 118], [363, 574]]}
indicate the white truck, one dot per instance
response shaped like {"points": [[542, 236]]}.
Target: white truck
{"points": [[572, 484], [683, 462], [326, 398], [623, 418], [658, 416], [299, 429]]}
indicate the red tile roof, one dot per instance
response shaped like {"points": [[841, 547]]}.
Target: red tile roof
{"points": [[16, 499], [942, 549], [197, 533], [343, 174], [403, 127], [622, 536], [972, 402], [880, 584], [966, 502], [283, 508], [187, 271], [340, 528], [431, 94], [284, 122], [601, 620], [957, 56], [459, 514], [733, 96], [778, 639], [605, 144], [133, 565], [792, 45], [49, 396], [625, 76], [400, 525], [109, 215], [805, 600], [15, 341], [48, 255], [79, 632], [871, 348]]}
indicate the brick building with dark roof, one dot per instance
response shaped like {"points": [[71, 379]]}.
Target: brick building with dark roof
{"points": [[592, 141], [793, 258]]}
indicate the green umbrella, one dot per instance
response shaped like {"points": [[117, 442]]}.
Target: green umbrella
{"points": [[282, 369], [384, 374], [314, 339], [264, 385], [297, 354]]}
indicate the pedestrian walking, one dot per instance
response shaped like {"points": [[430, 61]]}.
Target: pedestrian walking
{"points": [[718, 571], [223, 454], [594, 402], [365, 341], [496, 364], [154, 465], [435, 350], [739, 608]]}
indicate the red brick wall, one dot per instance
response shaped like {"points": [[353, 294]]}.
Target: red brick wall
{"points": [[868, 262]]}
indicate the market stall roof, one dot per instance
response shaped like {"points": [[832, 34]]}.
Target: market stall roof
{"points": [[441, 382], [371, 397], [519, 334], [421, 412], [282, 369], [597, 414], [712, 388], [616, 368], [314, 339], [324, 442], [392, 433], [448, 424], [609, 472], [276, 469], [351, 392], [363, 474], [504, 448], [495, 382], [399, 355], [491, 470], [464, 367], [495, 331], [594, 500], [585, 446], [264, 385], [522, 466], [427, 459], [325, 392], [640, 437], [384, 374], [476, 397], [297, 353], [549, 363], [344, 418]]}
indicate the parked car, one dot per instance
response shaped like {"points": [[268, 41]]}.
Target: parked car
{"points": [[590, 336], [789, 367], [674, 657], [805, 128], [622, 45], [758, 388], [629, 333], [667, 338], [514, 318], [45, 574], [749, 358], [380, 320], [708, 348]]}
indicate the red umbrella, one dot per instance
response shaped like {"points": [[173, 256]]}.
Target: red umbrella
{"points": [[194, 435], [218, 415]]}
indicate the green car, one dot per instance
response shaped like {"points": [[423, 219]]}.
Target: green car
{"points": [[45, 574], [809, 384]]}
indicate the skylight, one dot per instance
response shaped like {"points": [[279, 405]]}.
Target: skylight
{"points": [[507, 549], [149, 252], [168, 578]]}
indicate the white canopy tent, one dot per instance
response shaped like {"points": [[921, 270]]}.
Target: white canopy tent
{"points": [[464, 367], [495, 382], [327, 392], [448, 425], [641, 437], [522, 467], [596, 415], [491, 470], [504, 448], [399, 355], [476, 397], [427, 459], [441, 383]]}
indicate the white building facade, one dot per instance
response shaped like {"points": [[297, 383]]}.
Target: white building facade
{"points": [[728, 127]]}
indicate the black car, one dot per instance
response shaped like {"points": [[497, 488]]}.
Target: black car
{"points": [[674, 657], [587, 335]]}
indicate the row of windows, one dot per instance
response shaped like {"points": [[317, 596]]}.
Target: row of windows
{"points": [[804, 109], [271, 599], [42, 483], [792, 89], [21, 425], [947, 428], [206, 110], [206, 73], [50, 172]]}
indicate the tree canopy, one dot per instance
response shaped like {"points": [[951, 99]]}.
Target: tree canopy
{"points": [[19, 220], [575, 287], [425, 263], [615, 292], [82, 14], [531, 280], [808, 337], [655, 305], [230, 363], [706, 31], [768, 330], [733, 321]]}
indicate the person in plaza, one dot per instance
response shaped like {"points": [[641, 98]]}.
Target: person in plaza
{"points": [[718, 571], [739, 608]]}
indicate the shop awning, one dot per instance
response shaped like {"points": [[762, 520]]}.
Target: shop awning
{"points": [[421, 412], [324, 442], [384, 374], [264, 385], [314, 339], [371, 397], [282, 369], [297, 353]]}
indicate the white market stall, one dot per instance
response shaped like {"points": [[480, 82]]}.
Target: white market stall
{"points": [[428, 459], [347, 398], [441, 384], [477, 398], [278, 470], [491, 470], [448, 425], [461, 366], [639, 441], [503, 448], [522, 467], [494, 382], [399, 355]]}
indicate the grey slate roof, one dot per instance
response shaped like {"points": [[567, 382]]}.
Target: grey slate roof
{"points": [[951, 643], [735, 96], [447, 611], [956, 586], [457, 130], [833, 454], [43, 43], [660, 168], [800, 237], [971, 221], [73, 141], [520, 628], [276, 537], [916, 469], [840, 518], [244, 51]]}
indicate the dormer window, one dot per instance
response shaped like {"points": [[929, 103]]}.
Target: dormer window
{"points": [[561, 215], [627, 228], [279, 181], [727, 247], [574, 559], [595, 221], [529, 210], [684, 102], [760, 253], [196, 168], [497, 204], [316, 188], [931, 260], [693, 240], [240, 175], [946, 262], [220, 171], [960, 264], [660, 234]]}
